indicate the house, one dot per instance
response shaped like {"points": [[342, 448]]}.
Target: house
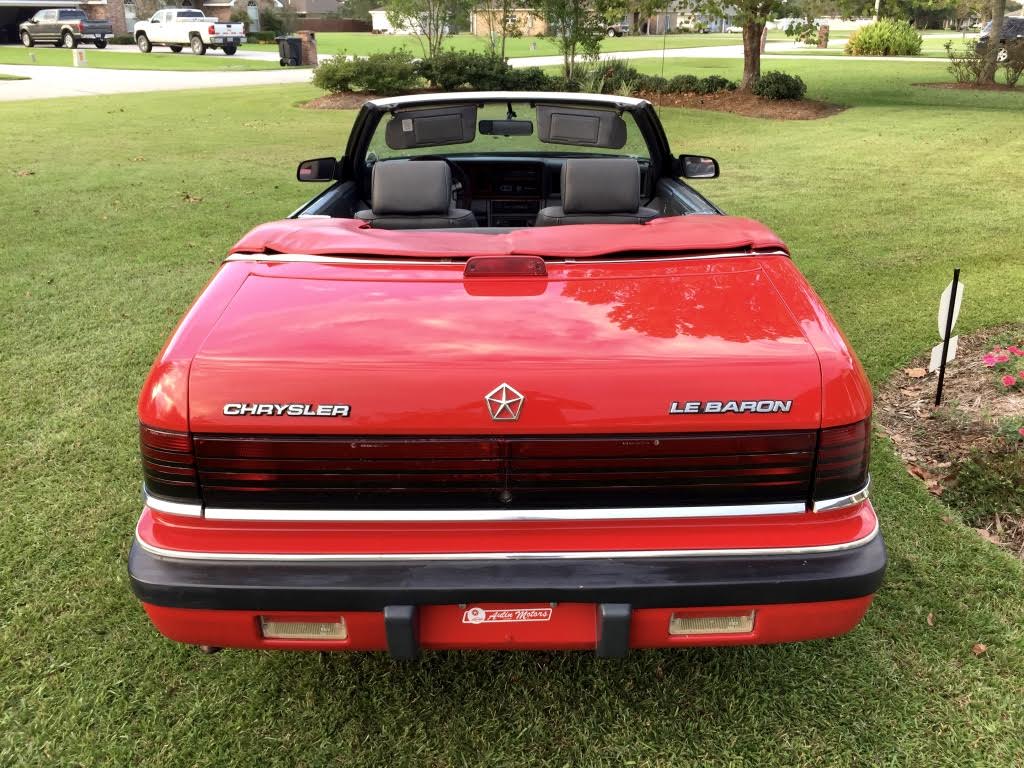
{"points": [[528, 22], [382, 24]]}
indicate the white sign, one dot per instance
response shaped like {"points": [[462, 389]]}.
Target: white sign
{"points": [[944, 308], [933, 364]]}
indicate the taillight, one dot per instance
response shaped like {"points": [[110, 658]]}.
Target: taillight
{"points": [[168, 466], [842, 461], [81, 26], [210, 30]]}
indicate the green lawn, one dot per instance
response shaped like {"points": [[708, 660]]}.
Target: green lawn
{"points": [[12, 77], [60, 57], [101, 255], [364, 43], [932, 47]]}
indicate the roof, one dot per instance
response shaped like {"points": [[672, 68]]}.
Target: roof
{"points": [[425, 99], [673, 234]]}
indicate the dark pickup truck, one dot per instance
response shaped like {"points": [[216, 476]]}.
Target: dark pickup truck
{"points": [[1012, 33], [67, 27]]}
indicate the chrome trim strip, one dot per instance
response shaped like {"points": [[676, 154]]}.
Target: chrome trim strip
{"points": [[830, 505], [175, 554], [174, 507], [306, 258], [491, 516]]}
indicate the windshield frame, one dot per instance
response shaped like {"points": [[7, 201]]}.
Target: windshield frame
{"points": [[373, 112]]}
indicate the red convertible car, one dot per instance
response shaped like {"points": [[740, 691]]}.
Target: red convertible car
{"points": [[508, 382]]}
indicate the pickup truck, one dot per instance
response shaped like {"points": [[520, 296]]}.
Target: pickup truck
{"points": [[67, 27], [508, 382], [178, 27]]}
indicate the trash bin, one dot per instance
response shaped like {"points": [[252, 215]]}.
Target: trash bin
{"points": [[289, 48]]}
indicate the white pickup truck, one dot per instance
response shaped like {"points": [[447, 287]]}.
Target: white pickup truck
{"points": [[178, 27]]}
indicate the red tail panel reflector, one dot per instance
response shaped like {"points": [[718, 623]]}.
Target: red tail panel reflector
{"points": [[505, 266]]}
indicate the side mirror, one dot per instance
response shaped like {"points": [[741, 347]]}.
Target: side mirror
{"points": [[698, 167], [321, 169]]}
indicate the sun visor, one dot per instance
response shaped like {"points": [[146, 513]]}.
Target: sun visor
{"points": [[412, 128], [603, 128]]}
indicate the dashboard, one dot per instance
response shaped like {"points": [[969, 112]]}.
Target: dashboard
{"points": [[508, 194]]}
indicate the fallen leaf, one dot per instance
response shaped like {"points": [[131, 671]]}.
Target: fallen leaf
{"points": [[188, 197], [138, 159], [934, 487], [24, 172], [916, 471], [978, 648], [987, 535], [915, 373], [931, 619]]}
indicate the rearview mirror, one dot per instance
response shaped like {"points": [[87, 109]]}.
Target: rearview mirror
{"points": [[698, 167], [505, 127], [320, 169]]}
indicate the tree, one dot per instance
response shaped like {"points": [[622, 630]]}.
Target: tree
{"points": [[502, 23], [752, 15], [578, 27], [429, 20], [988, 74]]}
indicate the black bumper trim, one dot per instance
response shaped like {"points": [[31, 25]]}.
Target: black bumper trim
{"points": [[662, 582]]}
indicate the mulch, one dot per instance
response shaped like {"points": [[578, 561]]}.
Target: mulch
{"points": [[747, 105], [934, 442], [971, 87], [735, 102]]}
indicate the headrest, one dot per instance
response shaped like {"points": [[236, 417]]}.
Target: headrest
{"points": [[411, 188], [608, 185]]}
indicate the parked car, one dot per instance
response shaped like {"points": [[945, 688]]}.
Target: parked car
{"points": [[67, 27], [531, 390], [617, 30], [1012, 32], [178, 27]]}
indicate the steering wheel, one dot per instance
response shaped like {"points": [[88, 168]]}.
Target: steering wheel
{"points": [[460, 176]]}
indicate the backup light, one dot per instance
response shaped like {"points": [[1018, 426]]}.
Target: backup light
{"points": [[711, 625], [304, 630]]}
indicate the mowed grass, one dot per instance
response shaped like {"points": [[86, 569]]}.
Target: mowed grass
{"points": [[102, 253], [364, 43], [184, 61], [932, 46]]}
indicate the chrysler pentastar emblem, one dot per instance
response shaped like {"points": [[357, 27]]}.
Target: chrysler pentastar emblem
{"points": [[504, 403]]}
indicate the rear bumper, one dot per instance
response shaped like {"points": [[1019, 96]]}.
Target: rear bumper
{"points": [[628, 600]]}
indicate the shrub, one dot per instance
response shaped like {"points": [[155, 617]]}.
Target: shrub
{"points": [[450, 70], [652, 84], [122, 40], [616, 76], [528, 79], [965, 64], [714, 84], [804, 30], [263, 38], [683, 84], [886, 37], [1013, 67], [778, 85], [386, 74]]}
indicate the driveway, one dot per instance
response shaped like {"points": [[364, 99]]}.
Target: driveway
{"points": [[59, 82]]}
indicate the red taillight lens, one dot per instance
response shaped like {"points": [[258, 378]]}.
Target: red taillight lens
{"points": [[842, 461], [168, 465], [210, 30]]}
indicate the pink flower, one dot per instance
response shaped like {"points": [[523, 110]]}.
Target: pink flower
{"points": [[1021, 431], [989, 360], [1001, 358], [1009, 381], [1017, 351]]}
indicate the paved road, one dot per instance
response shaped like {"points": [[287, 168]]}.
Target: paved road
{"points": [[60, 82]]}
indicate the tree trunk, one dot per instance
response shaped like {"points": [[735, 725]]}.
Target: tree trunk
{"points": [[988, 74], [752, 54]]}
